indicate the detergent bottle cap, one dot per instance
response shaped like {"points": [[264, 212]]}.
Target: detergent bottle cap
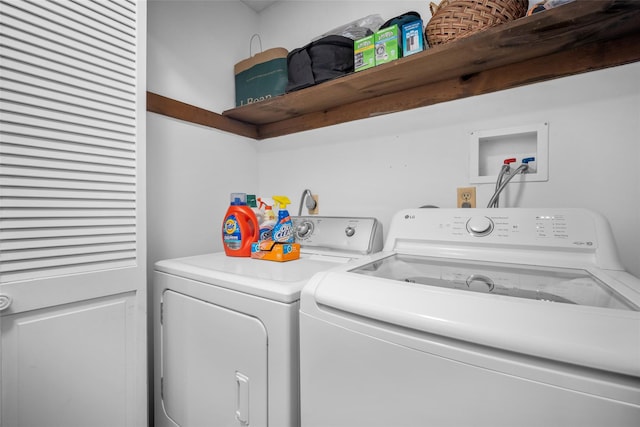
{"points": [[282, 201], [238, 199]]}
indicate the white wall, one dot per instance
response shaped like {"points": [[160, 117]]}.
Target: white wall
{"points": [[192, 46], [375, 166], [294, 23], [380, 165]]}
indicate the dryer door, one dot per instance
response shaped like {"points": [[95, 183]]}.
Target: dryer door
{"points": [[214, 364]]}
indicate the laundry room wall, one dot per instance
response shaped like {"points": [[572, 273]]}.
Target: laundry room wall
{"points": [[192, 47], [380, 165], [372, 167]]}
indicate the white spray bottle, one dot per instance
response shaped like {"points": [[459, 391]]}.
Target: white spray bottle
{"points": [[269, 219]]}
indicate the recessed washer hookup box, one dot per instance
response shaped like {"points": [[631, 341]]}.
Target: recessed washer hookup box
{"points": [[387, 45], [364, 53]]}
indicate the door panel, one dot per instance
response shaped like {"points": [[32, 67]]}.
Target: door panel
{"points": [[72, 213], [214, 364], [69, 164], [87, 346]]}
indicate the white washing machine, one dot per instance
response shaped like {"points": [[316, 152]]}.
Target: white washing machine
{"points": [[226, 329], [476, 317]]}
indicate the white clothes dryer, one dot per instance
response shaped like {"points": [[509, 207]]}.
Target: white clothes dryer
{"points": [[226, 329], [476, 317]]}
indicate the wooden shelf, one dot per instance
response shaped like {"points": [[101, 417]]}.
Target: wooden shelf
{"points": [[578, 37]]}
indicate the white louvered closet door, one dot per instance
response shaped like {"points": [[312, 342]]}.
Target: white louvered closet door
{"points": [[72, 218]]}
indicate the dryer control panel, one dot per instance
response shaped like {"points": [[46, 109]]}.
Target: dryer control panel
{"points": [[359, 235]]}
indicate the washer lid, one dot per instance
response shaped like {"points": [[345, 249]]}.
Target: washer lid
{"points": [[550, 284], [279, 281], [595, 337]]}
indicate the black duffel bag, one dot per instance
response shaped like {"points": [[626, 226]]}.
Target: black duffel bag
{"points": [[319, 61]]}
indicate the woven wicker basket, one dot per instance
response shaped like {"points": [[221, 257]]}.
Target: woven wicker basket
{"points": [[454, 19]]}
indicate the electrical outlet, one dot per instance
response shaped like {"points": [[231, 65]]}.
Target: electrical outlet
{"points": [[466, 197], [315, 210]]}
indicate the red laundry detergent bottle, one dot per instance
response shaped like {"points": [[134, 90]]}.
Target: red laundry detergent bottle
{"points": [[240, 227]]}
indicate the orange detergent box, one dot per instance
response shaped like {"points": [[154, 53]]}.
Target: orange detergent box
{"points": [[275, 251]]}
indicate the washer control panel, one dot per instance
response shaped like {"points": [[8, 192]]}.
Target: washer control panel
{"points": [[540, 236], [571, 228], [361, 235]]}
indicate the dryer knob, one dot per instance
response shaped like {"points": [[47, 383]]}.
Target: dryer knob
{"points": [[479, 226], [349, 231], [304, 230], [5, 302]]}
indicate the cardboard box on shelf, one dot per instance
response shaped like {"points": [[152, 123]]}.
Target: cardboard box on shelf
{"points": [[363, 53], [412, 38], [387, 45]]}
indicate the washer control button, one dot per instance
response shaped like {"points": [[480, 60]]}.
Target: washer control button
{"points": [[349, 231], [479, 226]]}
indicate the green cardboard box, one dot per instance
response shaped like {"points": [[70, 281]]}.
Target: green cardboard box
{"points": [[364, 53], [387, 44]]}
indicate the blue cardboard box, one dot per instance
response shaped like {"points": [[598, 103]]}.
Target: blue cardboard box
{"points": [[412, 38]]}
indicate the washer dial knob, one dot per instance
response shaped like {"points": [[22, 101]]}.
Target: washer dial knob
{"points": [[349, 231], [479, 226]]}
